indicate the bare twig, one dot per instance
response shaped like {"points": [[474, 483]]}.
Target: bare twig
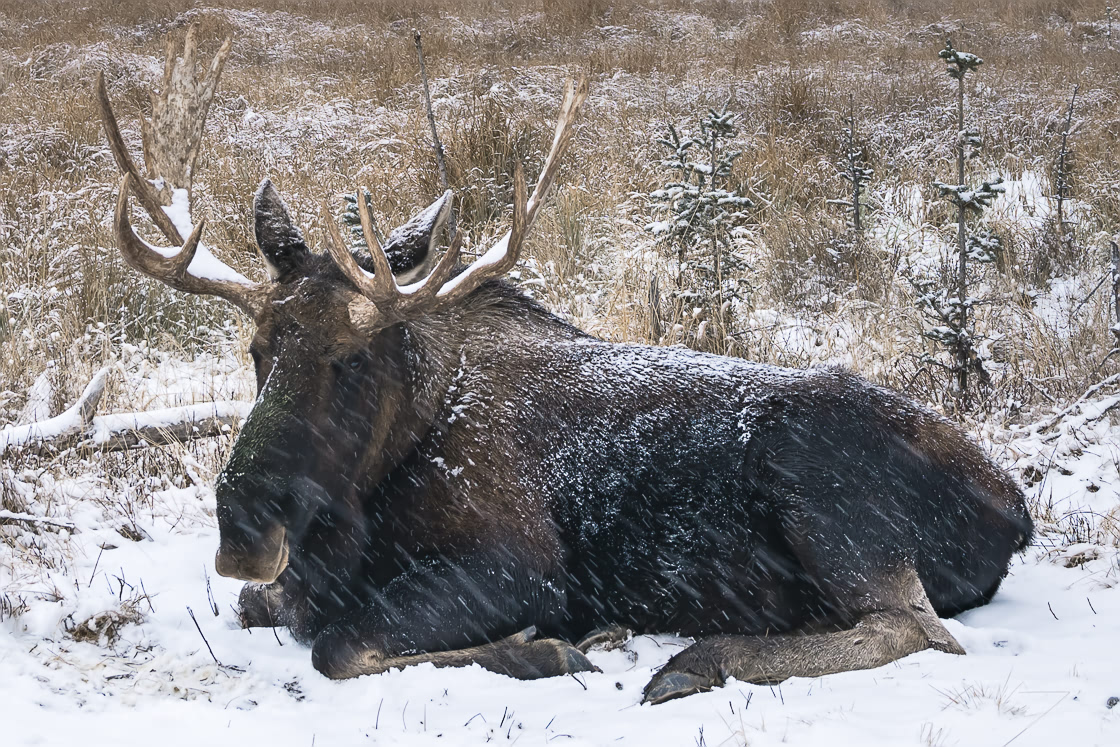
{"points": [[199, 629], [210, 593], [1091, 293], [437, 145], [1039, 718]]}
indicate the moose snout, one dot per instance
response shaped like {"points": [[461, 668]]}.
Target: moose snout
{"points": [[263, 561]]}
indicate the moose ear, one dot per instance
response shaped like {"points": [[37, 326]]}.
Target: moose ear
{"points": [[280, 242], [411, 248]]}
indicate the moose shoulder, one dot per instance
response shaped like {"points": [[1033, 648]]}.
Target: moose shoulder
{"points": [[437, 469]]}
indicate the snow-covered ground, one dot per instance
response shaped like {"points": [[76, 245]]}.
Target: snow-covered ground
{"points": [[1042, 663], [104, 648]]}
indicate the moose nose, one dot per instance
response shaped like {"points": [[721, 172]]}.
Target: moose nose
{"points": [[263, 563]]}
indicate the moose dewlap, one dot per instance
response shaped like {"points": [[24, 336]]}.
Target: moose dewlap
{"points": [[436, 468]]}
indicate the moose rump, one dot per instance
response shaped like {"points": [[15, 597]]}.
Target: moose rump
{"points": [[757, 495]]}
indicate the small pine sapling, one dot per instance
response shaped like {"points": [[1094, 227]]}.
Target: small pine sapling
{"points": [[950, 307], [700, 208], [1062, 170], [855, 171]]}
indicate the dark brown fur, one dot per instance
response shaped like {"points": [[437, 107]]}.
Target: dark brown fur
{"points": [[491, 439]]}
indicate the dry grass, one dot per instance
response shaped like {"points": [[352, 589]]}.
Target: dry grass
{"points": [[323, 96]]}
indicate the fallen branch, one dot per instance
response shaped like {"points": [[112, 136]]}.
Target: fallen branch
{"points": [[1057, 418], [7, 517], [79, 427], [159, 427], [1104, 407], [70, 423]]}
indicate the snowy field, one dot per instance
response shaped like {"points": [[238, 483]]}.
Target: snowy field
{"points": [[1028, 679], [115, 628]]}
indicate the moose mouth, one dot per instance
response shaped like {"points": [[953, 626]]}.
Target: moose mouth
{"points": [[262, 564]]}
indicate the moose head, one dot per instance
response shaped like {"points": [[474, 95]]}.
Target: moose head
{"points": [[343, 385]]}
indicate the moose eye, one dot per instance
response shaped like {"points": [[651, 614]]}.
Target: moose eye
{"points": [[354, 362]]}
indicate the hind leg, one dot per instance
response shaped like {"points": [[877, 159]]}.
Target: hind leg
{"points": [[610, 638], [892, 621]]}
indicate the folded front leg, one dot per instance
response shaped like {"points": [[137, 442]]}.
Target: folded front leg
{"points": [[521, 656], [454, 613]]}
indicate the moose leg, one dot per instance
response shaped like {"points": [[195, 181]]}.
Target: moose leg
{"points": [[901, 621], [520, 655], [453, 614]]}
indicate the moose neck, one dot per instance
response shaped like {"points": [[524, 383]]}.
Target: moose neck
{"points": [[422, 358]]}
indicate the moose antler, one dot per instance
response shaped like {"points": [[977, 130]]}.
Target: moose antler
{"points": [[171, 142], [439, 288]]}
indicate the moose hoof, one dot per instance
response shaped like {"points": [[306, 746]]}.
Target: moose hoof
{"points": [[671, 685], [336, 654], [258, 605], [551, 657], [697, 669], [610, 638]]}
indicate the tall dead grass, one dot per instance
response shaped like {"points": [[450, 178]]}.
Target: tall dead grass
{"points": [[323, 96]]}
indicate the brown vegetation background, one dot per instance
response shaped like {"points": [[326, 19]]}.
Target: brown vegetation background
{"points": [[324, 96]]}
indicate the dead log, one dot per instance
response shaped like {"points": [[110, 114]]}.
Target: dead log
{"points": [[78, 427], [61, 427], [160, 427]]}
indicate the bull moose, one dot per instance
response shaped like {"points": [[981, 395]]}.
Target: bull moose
{"points": [[436, 467]]}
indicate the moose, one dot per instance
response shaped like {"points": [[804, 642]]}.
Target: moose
{"points": [[437, 469]]}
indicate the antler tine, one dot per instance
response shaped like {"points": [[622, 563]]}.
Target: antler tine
{"points": [[382, 273], [439, 288], [171, 139], [520, 228], [503, 255], [140, 186], [174, 270], [173, 134], [386, 294], [429, 286], [372, 287], [574, 96]]}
